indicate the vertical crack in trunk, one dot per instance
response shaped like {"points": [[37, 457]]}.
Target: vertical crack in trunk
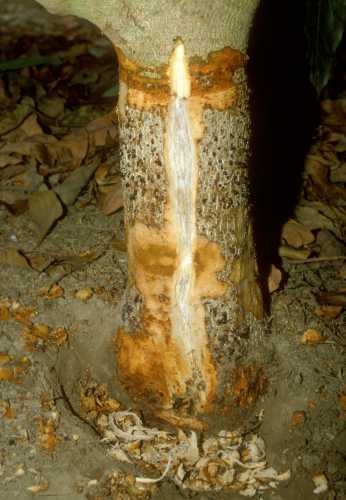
{"points": [[182, 160]]}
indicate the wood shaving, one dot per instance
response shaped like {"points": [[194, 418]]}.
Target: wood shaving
{"points": [[225, 461]]}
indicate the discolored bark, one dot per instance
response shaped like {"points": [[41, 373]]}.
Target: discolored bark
{"points": [[192, 311]]}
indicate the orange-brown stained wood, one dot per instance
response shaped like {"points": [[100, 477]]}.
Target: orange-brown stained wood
{"points": [[150, 363], [155, 364], [154, 371], [150, 367], [211, 81], [249, 382], [208, 261]]}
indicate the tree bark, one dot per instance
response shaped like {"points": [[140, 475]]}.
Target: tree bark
{"points": [[191, 318]]}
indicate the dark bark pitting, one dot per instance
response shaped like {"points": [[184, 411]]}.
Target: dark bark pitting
{"points": [[222, 180], [190, 249], [131, 310], [142, 166], [223, 196], [233, 320], [223, 177]]}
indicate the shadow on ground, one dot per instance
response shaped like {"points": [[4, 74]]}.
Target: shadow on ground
{"points": [[284, 113]]}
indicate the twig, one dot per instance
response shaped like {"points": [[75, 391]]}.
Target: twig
{"points": [[311, 260]]}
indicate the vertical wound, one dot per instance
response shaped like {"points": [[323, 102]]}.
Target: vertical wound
{"points": [[183, 180]]}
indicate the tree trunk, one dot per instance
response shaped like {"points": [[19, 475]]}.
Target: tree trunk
{"points": [[192, 313]]}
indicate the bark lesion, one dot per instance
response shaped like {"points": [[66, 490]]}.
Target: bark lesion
{"points": [[142, 166], [190, 251]]}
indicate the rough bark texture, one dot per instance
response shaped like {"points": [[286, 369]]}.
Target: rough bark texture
{"points": [[192, 310]]}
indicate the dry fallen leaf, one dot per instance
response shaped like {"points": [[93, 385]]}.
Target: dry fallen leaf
{"points": [[44, 209], [10, 120], [319, 216], [55, 291], [12, 374], [12, 257], [35, 338], [330, 312], [7, 159], [312, 403], [294, 253], [298, 418], [338, 174], [329, 245], [25, 315], [84, 294], [95, 400], [39, 337], [39, 262], [101, 128], [274, 279], [334, 111], [38, 488], [69, 190], [111, 198], [296, 235], [342, 402], [4, 358], [337, 298], [51, 106], [40, 330], [30, 126], [5, 313], [7, 374], [10, 413], [100, 174], [58, 336], [78, 143], [321, 483], [312, 336], [47, 434], [317, 171]]}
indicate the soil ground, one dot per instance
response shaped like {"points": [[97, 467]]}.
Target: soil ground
{"points": [[305, 378]]}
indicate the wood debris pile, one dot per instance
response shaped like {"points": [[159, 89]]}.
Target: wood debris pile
{"points": [[228, 461]]}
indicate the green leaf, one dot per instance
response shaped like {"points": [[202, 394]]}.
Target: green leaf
{"points": [[111, 92], [25, 62], [324, 28]]}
